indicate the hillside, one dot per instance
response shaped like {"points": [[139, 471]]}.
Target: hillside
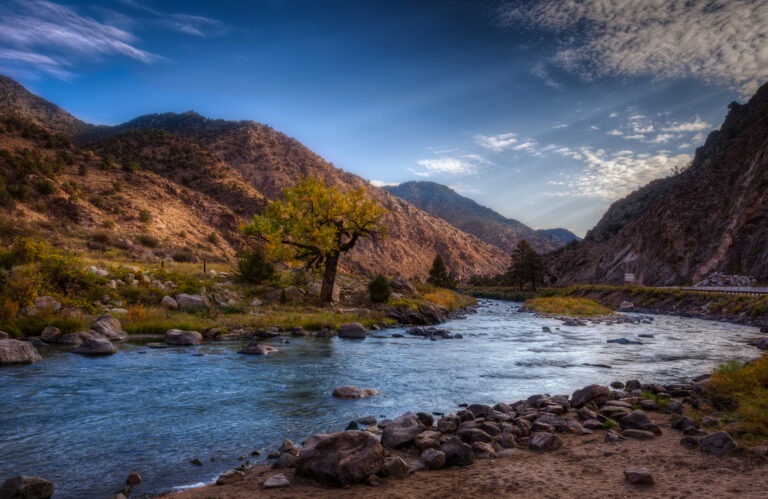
{"points": [[565, 235], [711, 217], [473, 218], [199, 176]]}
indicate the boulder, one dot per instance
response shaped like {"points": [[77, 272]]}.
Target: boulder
{"points": [[472, 435], [95, 346], [448, 424], [284, 460], [683, 423], [457, 453], [434, 459], [46, 304], [109, 327], [402, 286], [544, 441], [74, 339], [638, 476], [401, 431], [26, 487], [230, 476], [179, 337], [352, 330], [289, 447], [593, 393], [17, 352], [50, 334], [717, 443], [638, 434], [638, 420], [3, 335], [346, 392], [555, 422], [340, 459], [258, 349], [191, 302], [169, 303], [276, 481], [428, 440], [394, 467]]}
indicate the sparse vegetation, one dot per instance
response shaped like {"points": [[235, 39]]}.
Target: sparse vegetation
{"points": [[574, 307], [145, 216], [148, 240], [254, 267], [742, 387]]}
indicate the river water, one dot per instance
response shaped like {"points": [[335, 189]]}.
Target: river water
{"points": [[85, 423]]}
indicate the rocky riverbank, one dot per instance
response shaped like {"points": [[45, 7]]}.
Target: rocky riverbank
{"points": [[631, 438]]}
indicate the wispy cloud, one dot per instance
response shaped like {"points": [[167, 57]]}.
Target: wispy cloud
{"points": [[381, 183], [717, 40], [540, 72], [697, 125], [614, 132], [467, 164], [496, 142]]}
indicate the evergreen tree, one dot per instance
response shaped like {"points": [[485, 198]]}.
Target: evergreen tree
{"points": [[439, 274], [526, 267]]}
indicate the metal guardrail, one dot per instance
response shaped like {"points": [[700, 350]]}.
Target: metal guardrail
{"points": [[732, 290]]}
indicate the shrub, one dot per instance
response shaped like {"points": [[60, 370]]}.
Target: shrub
{"points": [[378, 288], [46, 187], [130, 166], [24, 250], [145, 216], [24, 284], [148, 241], [253, 266], [8, 309], [82, 170], [117, 186], [579, 307], [743, 388], [213, 238]]}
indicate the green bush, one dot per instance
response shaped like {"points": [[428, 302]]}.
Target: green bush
{"points": [[378, 288], [253, 266], [148, 241], [145, 216]]}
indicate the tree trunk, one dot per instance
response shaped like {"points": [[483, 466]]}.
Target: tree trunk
{"points": [[329, 279]]}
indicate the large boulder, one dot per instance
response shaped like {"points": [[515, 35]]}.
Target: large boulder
{"points": [[340, 459], [95, 346], [433, 458], [50, 334], [593, 393], [169, 303], [258, 349], [402, 286], [47, 304], [554, 421], [457, 453], [192, 302], [74, 339], [179, 337], [352, 330], [638, 420], [401, 430], [717, 443], [26, 487], [544, 441], [17, 352], [394, 467], [109, 327]]}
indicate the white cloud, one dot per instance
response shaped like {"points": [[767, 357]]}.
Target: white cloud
{"points": [[661, 138], [643, 129], [594, 127], [496, 142], [699, 137], [380, 183], [526, 146], [635, 137], [614, 132], [539, 71], [613, 114], [716, 40], [697, 125], [560, 125], [462, 165], [684, 146]]}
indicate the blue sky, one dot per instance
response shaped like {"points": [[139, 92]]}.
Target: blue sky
{"points": [[546, 111]]}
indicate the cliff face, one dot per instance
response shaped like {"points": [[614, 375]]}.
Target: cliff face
{"points": [[711, 217], [473, 218], [236, 168]]}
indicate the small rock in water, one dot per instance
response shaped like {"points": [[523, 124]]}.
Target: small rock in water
{"points": [[133, 479], [352, 426], [645, 335], [276, 481], [638, 476], [256, 453], [625, 341], [196, 462], [367, 421], [230, 476]]}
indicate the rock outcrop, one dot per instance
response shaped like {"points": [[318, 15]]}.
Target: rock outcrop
{"points": [[17, 352]]}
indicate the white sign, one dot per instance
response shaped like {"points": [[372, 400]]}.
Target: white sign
{"points": [[629, 278]]}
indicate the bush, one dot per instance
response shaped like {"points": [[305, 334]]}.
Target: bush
{"points": [[46, 187], [743, 388], [145, 216], [577, 307], [378, 288], [213, 238], [148, 241], [24, 284], [253, 266]]}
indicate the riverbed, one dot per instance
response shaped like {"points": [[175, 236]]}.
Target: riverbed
{"points": [[85, 423]]}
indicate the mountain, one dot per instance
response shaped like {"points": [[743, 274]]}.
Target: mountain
{"points": [[565, 235], [676, 230], [214, 173], [473, 218]]}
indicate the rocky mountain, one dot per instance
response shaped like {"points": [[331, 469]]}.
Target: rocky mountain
{"points": [[473, 218], [222, 172], [711, 217], [565, 235]]}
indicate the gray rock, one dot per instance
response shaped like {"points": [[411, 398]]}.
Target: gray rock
{"points": [[352, 330], [434, 459], [169, 303], [46, 304], [192, 302], [401, 431], [592, 393], [26, 487], [284, 460], [448, 424], [50, 334], [109, 327], [258, 349], [717, 443], [394, 467], [638, 420], [95, 346], [544, 441], [457, 453], [179, 337], [638, 434], [17, 352], [276, 481], [230, 476], [4, 335], [638, 476], [340, 459]]}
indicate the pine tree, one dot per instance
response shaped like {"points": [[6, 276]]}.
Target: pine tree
{"points": [[526, 266], [439, 274]]}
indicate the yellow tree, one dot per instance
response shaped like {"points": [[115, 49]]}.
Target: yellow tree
{"points": [[315, 224]]}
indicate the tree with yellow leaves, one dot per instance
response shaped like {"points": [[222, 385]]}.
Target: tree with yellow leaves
{"points": [[315, 224]]}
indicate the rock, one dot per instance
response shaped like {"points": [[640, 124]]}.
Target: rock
{"points": [[169, 303], [340, 459], [483, 450], [50, 334], [17, 352], [46, 304], [649, 405], [156, 345], [638, 420], [95, 270], [592, 393], [717, 443], [544, 441], [179, 337], [133, 479], [612, 436], [638, 476], [632, 384], [457, 453], [638, 434], [26, 487], [3, 335], [352, 330], [627, 305], [283, 461], [617, 384], [402, 285], [394, 467], [367, 421], [683, 423], [352, 426], [592, 424], [428, 440], [552, 420], [191, 302], [448, 424], [230, 476], [289, 447], [434, 459], [256, 302], [109, 327], [346, 392], [95, 346], [401, 431], [258, 349], [689, 442], [276, 481], [472, 435], [299, 332], [624, 341], [73, 339]]}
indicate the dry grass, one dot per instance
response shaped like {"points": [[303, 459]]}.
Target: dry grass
{"points": [[743, 388], [575, 307], [446, 298]]}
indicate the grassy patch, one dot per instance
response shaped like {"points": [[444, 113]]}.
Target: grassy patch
{"points": [[446, 298], [742, 387], [498, 293], [571, 306]]}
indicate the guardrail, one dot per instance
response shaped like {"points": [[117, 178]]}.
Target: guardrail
{"points": [[731, 290]]}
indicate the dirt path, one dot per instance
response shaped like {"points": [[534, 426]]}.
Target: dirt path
{"points": [[585, 467]]}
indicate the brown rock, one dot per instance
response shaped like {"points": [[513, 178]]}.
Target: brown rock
{"points": [[593, 393], [394, 467], [433, 458], [258, 349], [340, 459], [638, 476], [543, 441], [401, 431], [17, 352], [26, 487], [186, 338]]}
